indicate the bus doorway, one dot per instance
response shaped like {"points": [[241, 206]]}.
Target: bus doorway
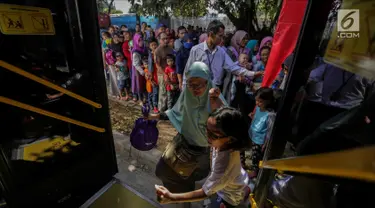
{"points": [[56, 145]]}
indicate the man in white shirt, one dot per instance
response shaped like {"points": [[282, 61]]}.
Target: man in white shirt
{"points": [[215, 57]]}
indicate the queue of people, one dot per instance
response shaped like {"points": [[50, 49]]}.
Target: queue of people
{"points": [[208, 85], [183, 47]]}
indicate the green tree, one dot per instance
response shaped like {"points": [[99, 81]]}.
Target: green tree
{"points": [[116, 11], [105, 6], [149, 8], [253, 16]]}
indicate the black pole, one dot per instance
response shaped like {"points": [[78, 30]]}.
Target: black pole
{"points": [[91, 42]]}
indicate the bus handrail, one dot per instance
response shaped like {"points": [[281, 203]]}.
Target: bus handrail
{"points": [[49, 114], [44, 82], [355, 163]]}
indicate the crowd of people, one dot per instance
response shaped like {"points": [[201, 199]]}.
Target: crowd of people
{"points": [[208, 85], [154, 68], [148, 66]]}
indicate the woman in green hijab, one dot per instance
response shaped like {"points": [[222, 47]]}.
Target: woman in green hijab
{"points": [[186, 158]]}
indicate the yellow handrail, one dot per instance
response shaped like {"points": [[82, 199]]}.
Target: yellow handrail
{"points": [[44, 82], [253, 203], [356, 163], [49, 114]]}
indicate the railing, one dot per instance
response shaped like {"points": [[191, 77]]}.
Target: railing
{"points": [[46, 83]]}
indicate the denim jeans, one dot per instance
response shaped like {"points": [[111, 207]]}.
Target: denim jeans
{"points": [[172, 97], [140, 96], [153, 97]]}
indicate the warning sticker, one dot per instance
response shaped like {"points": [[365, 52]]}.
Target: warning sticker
{"points": [[13, 21], [40, 22], [24, 20]]}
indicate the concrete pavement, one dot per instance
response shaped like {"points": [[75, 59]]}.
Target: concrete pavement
{"points": [[136, 169]]}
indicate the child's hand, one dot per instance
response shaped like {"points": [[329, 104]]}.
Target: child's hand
{"points": [[248, 65], [164, 196]]}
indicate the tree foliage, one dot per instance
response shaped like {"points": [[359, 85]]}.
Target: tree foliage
{"points": [[116, 11], [149, 8], [188, 9], [251, 15], [105, 6]]}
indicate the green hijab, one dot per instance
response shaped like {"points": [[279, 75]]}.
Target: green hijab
{"points": [[189, 115], [251, 45]]}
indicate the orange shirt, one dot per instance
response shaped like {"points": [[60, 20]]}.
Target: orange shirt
{"points": [[148, 82]]}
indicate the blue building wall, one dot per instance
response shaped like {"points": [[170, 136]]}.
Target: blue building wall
{"points": [[130, 20], [150, 20]]}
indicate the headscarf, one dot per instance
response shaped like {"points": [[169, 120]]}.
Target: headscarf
{"points": [[203, 37], [136, 48], [189, 115], [264, 41], [287, 63], [251, 45], [236, 41]]}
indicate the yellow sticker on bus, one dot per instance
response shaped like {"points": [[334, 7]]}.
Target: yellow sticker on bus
{"points": [[44, 149], [25, 20]]}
